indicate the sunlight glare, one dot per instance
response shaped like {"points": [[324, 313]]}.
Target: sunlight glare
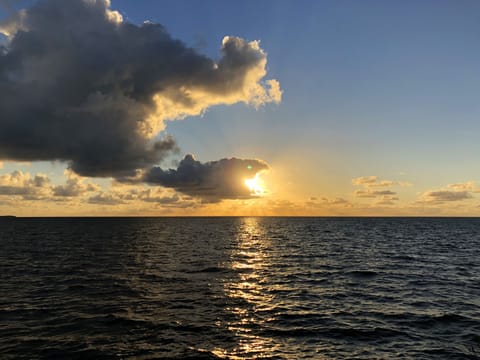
{"points": [[255, 185]]}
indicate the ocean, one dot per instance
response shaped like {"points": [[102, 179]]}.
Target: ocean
{"points": [[240, 288]]}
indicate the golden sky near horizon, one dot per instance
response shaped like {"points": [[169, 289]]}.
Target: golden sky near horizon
{"points": [[347, 113]]}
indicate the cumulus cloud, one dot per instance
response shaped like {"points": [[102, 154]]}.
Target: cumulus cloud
{"points": [[77, 190], [156, 196], [80, 84], [40, 187], [212, 181], [74, 186], [26, 186]]}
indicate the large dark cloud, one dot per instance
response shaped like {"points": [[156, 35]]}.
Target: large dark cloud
{"points": [[212, 181], [79, 84]]}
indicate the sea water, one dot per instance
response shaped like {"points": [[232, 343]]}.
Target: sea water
{"points": [[240, 287]]}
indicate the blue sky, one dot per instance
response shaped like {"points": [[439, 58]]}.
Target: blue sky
{"points": [[380, 86], [383, 88]]}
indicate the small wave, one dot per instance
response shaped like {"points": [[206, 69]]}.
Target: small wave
{"points": [[60, 352], [338, 332], [451, 354], [210, 269], [93, 289], [292, 316], [444, 319], [121, 321], [363, 273]]}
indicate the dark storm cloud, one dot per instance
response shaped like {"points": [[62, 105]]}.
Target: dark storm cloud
{"points": [[212, 181], [79, 84]]}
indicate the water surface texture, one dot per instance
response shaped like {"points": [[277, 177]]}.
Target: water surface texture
{"points": [[278, 288]]}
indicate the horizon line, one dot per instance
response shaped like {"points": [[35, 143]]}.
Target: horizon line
{"points": [[241, 216]]}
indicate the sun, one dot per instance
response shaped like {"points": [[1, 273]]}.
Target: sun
{"points": [[255, 185]]}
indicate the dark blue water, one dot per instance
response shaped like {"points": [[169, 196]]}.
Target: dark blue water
{"points": [[319, 288]]}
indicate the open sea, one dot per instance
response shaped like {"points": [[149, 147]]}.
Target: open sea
{"points": [[240, 288]]}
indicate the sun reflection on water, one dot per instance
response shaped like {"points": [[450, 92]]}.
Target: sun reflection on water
{"points": [[250, 301]]}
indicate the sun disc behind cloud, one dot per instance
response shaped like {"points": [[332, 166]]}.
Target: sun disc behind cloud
{"points": [[256, 185]]}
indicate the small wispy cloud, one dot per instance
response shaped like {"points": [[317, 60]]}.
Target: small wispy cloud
{"points": [[374, 181], [466, 186], [451, 193], [387, 201], [378, 189], [441, 196], [325, 202], [373, 194]]}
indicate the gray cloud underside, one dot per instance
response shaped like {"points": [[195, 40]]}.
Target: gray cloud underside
{"points": [[373, 194], [211, 181], [79, 84], [447, 195]]}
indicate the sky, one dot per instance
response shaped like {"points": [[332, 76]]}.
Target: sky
{"points": [[355, 108]]}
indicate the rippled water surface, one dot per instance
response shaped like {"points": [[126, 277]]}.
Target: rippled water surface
{"points": [[320, 288]]}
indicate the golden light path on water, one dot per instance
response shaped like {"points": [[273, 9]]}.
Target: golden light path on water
{"points": [[250, 261]]}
